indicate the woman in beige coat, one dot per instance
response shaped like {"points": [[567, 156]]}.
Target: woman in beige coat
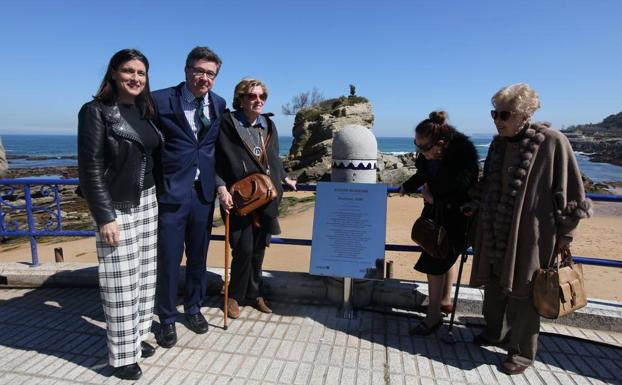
{"points": [[531, 199]]}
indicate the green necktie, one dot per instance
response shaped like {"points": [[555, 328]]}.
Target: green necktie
{"points": [[204, 119]]}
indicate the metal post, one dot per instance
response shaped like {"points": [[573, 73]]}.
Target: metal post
{"points": [[57, 198], [31, 226], [389, 270], [347, 310], [58, 254]]}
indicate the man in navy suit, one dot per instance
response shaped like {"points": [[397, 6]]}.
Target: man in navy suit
{"points": [[189, 116]]}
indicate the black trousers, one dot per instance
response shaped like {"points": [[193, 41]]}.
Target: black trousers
{"points": [[248, 245], [514, 317]]}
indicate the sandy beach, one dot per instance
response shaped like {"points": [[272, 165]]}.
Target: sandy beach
{"points": [[599, 237]]}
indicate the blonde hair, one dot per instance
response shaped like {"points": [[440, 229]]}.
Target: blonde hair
{"points": [[244, 87], [520, 97]]}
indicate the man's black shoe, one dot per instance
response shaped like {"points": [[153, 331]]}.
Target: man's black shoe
{"points": [[128, 372], [168, 335], [197, 323], [146, 350]]}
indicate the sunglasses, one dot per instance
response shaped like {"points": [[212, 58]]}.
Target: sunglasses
{"points": [[501, 115], [425, 148], [253, 97]]}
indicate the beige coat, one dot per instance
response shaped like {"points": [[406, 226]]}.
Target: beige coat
{"points": [[521, 221]]}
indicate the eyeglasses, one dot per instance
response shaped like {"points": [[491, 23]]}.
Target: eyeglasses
{"points": [[253, 97], [200, 72], [501, 115], [426, 147]]}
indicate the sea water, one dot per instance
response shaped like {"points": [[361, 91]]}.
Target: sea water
{"points": [[30, 151]]}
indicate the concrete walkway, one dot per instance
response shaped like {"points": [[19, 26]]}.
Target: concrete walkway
{"points": [[57, 336]]}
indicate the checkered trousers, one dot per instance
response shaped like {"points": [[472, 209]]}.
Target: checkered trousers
{"points": [[127, 279]]}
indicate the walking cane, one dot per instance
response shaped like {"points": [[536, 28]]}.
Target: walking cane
{"points": [[449, 338], [226, 307]]}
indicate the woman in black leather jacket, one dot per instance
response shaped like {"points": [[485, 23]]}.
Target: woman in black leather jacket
{"points": [[117, 149], [447, 167]]}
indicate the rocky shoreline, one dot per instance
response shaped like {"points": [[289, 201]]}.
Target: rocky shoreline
{"points": [[601, 142], [597, 149], [36, 157], [65, 172]]}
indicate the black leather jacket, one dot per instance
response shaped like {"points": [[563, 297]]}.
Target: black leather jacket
{"points": [[111, 160]]}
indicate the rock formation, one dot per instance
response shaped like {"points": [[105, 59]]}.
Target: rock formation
{"points": [[396, 169], [602, 142], [309, 157]]}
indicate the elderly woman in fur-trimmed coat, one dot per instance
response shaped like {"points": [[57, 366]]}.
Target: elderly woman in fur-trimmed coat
{"points": [[532, 198]]}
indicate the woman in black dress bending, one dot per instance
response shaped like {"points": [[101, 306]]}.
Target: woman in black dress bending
{"points": [[447, 167]]}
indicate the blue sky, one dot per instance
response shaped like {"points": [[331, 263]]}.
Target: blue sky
{"points": [[407, 57]]}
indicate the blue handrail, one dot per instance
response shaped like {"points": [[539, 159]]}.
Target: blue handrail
{"points": [[54, 227]]}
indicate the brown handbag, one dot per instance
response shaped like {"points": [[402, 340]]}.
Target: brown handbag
{"points": [[251, 192], [559, 289], [254, 190], [431, 236]]}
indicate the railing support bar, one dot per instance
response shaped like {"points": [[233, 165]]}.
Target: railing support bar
{"points": [[31, 226], [347, 310]]}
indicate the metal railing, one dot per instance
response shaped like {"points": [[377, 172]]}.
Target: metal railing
{"points": [[50, 212], [12, 205]]}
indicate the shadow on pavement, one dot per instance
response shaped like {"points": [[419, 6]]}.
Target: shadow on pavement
{"points": [[69, 324], [389, 330], [65, 323]]}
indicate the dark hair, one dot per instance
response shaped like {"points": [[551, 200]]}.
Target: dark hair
{"points": [[108, 92], [436, 127], [203, 53]]}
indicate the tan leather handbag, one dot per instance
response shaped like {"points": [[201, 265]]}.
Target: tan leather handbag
{"points": [[251, 192], [559, 290]]}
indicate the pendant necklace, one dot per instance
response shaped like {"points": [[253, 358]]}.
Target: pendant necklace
{"points": [[256, 148]]}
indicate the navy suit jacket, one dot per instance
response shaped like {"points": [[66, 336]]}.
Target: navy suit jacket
{"points": [[182, 153]]}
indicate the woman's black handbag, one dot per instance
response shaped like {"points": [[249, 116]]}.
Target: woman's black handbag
{"points": [[431, 236]]}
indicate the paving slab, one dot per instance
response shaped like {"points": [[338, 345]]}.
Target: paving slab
{"points": [[598, 314], [57, 336]]}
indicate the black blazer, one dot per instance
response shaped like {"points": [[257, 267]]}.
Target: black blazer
{"points": [[182, 153]]}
